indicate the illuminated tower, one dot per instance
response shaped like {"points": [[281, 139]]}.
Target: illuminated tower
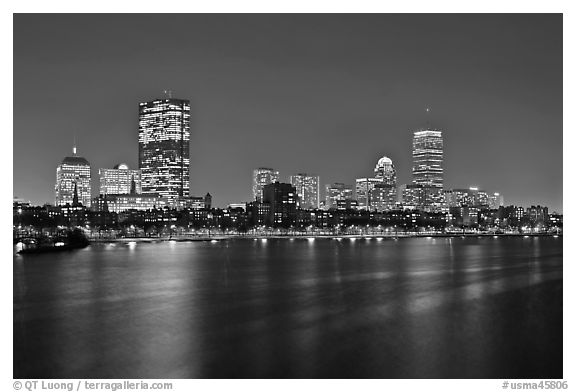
{"points": [[164, 147], [428, 155], [261, 177], [73, 177], [383, 195], [385, 170]]}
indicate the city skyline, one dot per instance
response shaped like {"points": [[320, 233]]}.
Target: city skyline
{"points": [[486, 145]]}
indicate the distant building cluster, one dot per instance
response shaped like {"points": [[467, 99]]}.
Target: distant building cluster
{"points": [[162, 178], [381, 192], [158, 191]]}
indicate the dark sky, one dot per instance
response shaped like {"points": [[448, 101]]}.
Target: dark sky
{"points": [[324, 94]]}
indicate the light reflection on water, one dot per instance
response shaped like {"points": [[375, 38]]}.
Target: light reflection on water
{"points": [[441, 307]]}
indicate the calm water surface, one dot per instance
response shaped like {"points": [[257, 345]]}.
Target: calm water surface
{"points": [[416, 307]]}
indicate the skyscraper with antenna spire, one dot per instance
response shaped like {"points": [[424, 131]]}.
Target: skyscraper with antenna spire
{"points": [[164, 147], [73, 178], [428, 156], [428, 166]]}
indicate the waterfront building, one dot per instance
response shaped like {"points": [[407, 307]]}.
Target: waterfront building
{"points": [[337, 192], [124, 202], [464, 216], [164, 147], [120, 180], [257, 213], [537, 215], [282, 199], [363, 188], [428, 155], [260, 178], [307, 188], [73, 173]]}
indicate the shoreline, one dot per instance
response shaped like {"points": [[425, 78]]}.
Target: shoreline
{"points": [[310, 236]]}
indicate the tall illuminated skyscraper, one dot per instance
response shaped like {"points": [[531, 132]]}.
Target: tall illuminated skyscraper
{"points": [[73, 172], [120, 180], [307, 188], [428, 156], [261, 177], [164, 147]]}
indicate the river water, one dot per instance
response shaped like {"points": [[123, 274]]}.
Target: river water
{"points": [[324, 308]]}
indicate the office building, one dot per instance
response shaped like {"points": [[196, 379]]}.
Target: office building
{"points": [[383, 197], [124, 202], [495, 200], [337, 192], [471, 197], [164, 147], [537, 215], [385, 170], [421, 197], [307, 188], [73, 176], [260, 178], [120, 180], [282, 200], [428, 155], [363, 188]]}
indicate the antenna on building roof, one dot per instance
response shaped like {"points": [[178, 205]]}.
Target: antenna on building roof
{"points": [[428, 111], [74, 146]]}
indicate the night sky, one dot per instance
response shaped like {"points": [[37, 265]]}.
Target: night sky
{"points": [[323, 94]]}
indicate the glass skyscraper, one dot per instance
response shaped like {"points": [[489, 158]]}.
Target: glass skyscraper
{"points": [[73, 172], [164, 147], [307, 188], [261, 177], [428, 155]]}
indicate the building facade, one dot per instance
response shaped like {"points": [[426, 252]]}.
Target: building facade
{"points": [[282, 200], [337, 192], [364, 187], [308, 190], [428, 156], [164, 147], [260, 178], [120, 180], [124, 202], [383, 197], [385, 170], [495, 200], [73, 175]]}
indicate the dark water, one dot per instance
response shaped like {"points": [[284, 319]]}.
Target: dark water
{"points": [[411, 308]]}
